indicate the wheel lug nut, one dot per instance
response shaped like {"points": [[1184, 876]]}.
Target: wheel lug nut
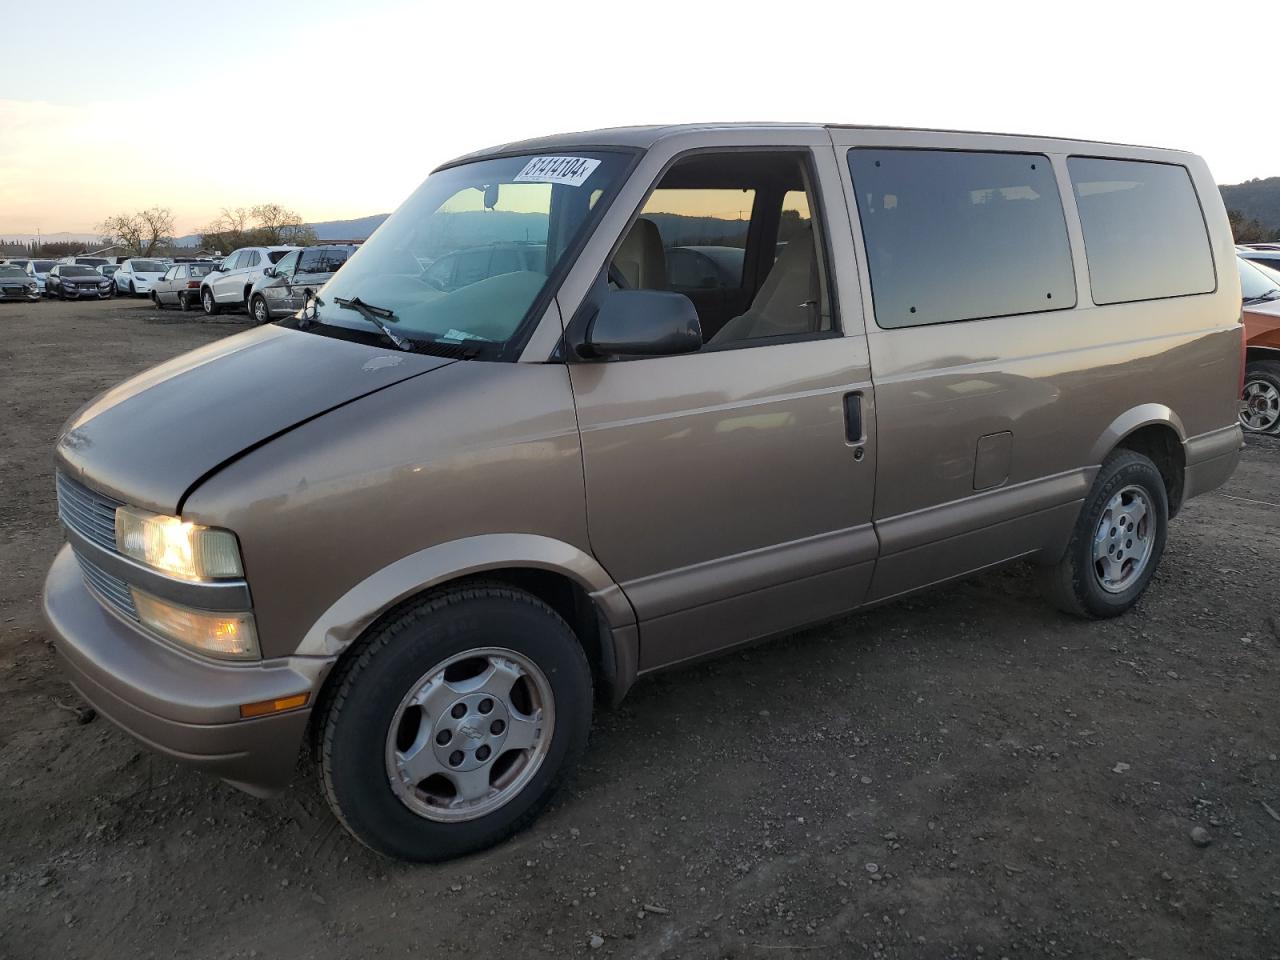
{"points": [[459, 711], [486, 705], [455, 758], [482, 753], [443, 737], [497, 727]]}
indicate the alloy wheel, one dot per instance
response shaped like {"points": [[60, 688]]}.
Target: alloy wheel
{"points": [[1124, 539], [470, 734], [1260, 406]]}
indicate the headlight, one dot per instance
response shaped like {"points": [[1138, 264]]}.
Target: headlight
{"points": [[231, 636], [186, 550], [273, 293], [31, 288]]}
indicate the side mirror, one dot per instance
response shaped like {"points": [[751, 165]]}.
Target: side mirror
{"points": [[269, 272], [643, 323]]}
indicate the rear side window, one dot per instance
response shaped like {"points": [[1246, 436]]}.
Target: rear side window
{"points": [[1144, 233], [311, 261], [958, 235]]}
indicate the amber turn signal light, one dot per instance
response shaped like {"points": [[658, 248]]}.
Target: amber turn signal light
{"points": [[279, 705]]}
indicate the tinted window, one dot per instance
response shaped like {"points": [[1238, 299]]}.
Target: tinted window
{"points": [[333, 259], [1144, 234], [311, 261], [954, 235], [274, 256]]}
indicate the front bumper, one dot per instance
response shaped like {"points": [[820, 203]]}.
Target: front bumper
{"points": [[15, 295], [180, 705], [93, 293]]}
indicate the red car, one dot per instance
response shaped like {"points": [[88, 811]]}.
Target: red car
{"points": [[1260, 400]]}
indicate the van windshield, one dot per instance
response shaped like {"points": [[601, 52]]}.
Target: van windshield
{"points": [[467, 256]]}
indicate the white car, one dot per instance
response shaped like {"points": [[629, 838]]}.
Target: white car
{"points": [[39, 270], [231, 284], [137, 275]]}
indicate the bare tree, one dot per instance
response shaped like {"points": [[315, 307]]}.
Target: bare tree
{"points": [[140, 233], [267, 224]]}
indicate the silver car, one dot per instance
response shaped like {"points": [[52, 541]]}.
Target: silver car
{"points": [[231, 284], [284, 288], [16, 285], [180, 285]]}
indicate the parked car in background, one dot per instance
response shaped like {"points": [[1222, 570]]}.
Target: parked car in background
{"points": [[231, 284], [461, 268], [180, 285], [285, 287], [86, 261], [72, 281], [19, 262], [108, 270], [15, 284], [1260, 396], [39, 271], [1261, 254], [137, 274], [705, 267]]}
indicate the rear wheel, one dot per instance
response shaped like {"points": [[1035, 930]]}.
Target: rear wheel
{"points": [[209, 304], [184, 301], [1260, 398], [450, 727], [1117, 542]]}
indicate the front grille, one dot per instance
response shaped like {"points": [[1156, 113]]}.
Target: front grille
{"points": [[89, 514], [110, 589]]}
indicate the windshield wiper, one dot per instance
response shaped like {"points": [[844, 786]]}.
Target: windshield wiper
{"points": [[1269, 295], [375, 315]]}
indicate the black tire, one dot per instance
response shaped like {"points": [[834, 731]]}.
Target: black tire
{"points": [[258, 305], [184, 301], [208, 304], [1073, 584], [370, 682], [1262, 391], [155, 298], [133, 291]]}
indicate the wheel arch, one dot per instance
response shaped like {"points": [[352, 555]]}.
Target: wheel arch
{"points": [[567, 579], [1155, 431]]}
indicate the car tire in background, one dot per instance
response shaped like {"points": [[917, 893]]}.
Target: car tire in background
{"points": [[133, 291], [155, 298], [207, 302], [451, 724], [259, 310], [1117, 541], [184, 301], [1260, 399]]}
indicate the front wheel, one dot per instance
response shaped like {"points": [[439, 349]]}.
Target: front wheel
{"points": [[1117, 542], [155, 298], [450, 727], [209, 304], [1260, 398], [258, 308], [133, 291]]}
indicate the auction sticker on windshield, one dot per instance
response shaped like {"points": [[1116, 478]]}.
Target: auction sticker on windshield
{"points": [[571, 171]]}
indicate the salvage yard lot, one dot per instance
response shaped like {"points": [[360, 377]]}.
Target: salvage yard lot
{"points": [[966, 769]]}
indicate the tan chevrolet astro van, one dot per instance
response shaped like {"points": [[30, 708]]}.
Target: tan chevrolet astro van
{"points": [[684, 388]]}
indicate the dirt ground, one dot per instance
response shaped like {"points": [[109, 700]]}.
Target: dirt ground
{"points": [[964, 774]]}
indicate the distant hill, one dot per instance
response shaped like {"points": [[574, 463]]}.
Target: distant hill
{"points": [[1256, 199]]}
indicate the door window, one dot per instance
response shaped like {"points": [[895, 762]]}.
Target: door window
{"points": [[958, 235], [716, 228], [249, 259], [287, 265], [311, 261]]}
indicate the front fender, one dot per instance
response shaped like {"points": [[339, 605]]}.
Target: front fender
{"points": [[349, 616]]}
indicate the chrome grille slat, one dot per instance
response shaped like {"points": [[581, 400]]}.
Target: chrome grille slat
{"points": [[110, 589], [90, 514]]}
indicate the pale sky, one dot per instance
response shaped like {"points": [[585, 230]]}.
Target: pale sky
{"points": [[339, 108]]}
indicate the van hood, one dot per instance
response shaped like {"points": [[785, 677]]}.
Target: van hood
{"points": [[150, 439]]}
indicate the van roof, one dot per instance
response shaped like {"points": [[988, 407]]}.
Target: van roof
{"points": [[644, 137]]}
